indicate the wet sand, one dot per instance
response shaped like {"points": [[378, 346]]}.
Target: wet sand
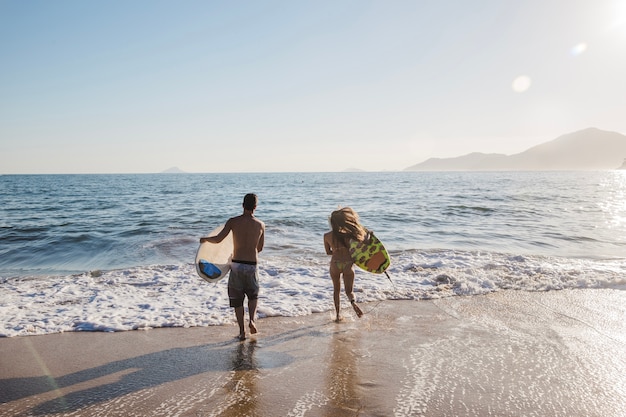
{"points": [[560, 353]]}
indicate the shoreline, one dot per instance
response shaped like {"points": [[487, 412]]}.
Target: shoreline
{"points": [[558, 353]]}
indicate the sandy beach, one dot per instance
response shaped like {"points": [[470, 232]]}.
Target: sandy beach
{"points": [[510, 353]]}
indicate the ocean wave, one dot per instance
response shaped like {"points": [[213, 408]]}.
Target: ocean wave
{"points": [[173, 296]]}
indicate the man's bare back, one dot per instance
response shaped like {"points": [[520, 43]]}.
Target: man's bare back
{"points": [[248, 236], [248, 233]]}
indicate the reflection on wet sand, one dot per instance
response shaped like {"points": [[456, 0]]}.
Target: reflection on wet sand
{"points": [[242, 387], [508, 353], [342, 375]]}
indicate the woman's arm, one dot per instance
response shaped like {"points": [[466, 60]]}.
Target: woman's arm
{"points": [[327, 244]]}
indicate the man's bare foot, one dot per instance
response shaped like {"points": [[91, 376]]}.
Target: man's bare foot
{"points": [[357, 310], [241, 337], [253, 329], [339, 319]]}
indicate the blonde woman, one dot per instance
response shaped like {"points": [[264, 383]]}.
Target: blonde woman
{"points": [[345, 227]]}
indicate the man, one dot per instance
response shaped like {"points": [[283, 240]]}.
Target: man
{"points": [[248, 241]]}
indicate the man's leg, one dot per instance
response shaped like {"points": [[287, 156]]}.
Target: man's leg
{"points": [[239, 313], [252, 304]]}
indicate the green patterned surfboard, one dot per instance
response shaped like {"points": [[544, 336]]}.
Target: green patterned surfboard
{"points": [[370, 254]]}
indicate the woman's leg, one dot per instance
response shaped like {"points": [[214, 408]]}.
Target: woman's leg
{"points": [[335, 274], [348, 282]]}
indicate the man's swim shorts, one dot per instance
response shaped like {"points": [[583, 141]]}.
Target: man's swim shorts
{"points": [[242, 281]]}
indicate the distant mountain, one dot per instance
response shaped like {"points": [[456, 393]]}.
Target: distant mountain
{"points": [[588, 149], [173, 170]]}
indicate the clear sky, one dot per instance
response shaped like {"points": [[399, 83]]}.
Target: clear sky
{"points": [[262, 86]]}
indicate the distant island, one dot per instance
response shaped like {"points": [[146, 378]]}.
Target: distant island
{"points": [[173, 170], [585, 150]]}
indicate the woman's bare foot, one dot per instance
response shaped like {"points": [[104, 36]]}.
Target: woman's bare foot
{"points": [[241, 337], [357, 310], [339, 319], [253, 329]]}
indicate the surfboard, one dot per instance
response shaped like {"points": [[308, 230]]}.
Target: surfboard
{"points": [[370, 254], [213, 259]]}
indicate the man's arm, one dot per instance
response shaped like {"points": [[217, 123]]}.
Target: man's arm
{"points": [[220, 236], [261, 242]]}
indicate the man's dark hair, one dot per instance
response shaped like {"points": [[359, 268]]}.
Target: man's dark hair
{"points": [[249, 201]]}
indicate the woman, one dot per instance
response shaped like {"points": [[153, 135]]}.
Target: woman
{"points": [[345, 227]]}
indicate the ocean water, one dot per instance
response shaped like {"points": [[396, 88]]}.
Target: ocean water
{"points": [[116, 252]]}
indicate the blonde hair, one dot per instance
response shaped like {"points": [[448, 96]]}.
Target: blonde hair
{"points": [[346, 226]]}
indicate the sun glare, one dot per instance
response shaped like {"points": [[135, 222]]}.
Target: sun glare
{"points": [[618, 208], [619, 18]]}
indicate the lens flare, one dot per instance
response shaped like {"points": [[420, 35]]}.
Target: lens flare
{"points": [[521, 84], [578, 49]]}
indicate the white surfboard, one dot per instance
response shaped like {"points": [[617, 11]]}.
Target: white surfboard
{"points": [[213, 259]]}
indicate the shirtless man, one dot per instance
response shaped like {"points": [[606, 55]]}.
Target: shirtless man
{"points": [[248, 241]]}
